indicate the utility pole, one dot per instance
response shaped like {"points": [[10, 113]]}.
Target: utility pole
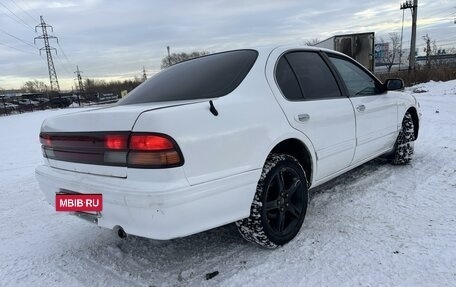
{"points": [[144, 77], [414, 8], [79, 77], [52, 73]]}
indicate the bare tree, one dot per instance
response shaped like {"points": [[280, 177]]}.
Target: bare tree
{"points": [[175, 58], [102, 86], [428, 49], [390, 57], [312, 42], [34, 86]]}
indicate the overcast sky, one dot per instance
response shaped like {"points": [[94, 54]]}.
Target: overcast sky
{"points": [[114, 39]]}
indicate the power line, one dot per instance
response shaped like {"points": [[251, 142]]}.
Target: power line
{"points": [[25, 11], [449, 44], [20, 19], [63, 52], [35, 16], [438, 45], [444, 40], [62, 64], [12, 18], [19, 39], [17, 49], [434, 14]]}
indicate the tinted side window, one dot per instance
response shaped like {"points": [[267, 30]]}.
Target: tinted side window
{"points": [[206, 77], [287, 80], [315, 77], [358, 82]]}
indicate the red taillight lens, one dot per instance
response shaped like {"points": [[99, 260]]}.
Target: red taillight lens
{"points": [[136, 150], [153, 151], [116, 142], [150, 143], [45, 139]]}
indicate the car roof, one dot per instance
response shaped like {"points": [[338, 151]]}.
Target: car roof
{"points": [[267, 49]]}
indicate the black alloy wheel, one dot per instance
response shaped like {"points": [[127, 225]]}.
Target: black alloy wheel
{"points": [[279, 205], [283, 205]]}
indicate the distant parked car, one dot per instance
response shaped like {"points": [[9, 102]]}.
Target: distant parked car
{"points": [[27, 102], [12, 106], [239, 136], [8, 107], [43, 102], [59, 102], [4, 109]]}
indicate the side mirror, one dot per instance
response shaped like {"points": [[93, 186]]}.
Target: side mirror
{"points": [[394, 84]]}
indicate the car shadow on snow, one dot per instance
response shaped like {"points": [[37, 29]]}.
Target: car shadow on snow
{"points": [[141, 261], [186, 261]]}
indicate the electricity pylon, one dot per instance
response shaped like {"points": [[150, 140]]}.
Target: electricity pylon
{"points": [[52, 73], [78, 76]]}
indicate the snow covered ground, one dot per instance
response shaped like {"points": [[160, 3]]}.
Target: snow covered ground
{"points": [[378, 225]]}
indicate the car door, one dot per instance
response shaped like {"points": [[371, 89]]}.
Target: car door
{"points": [[375, 109], [314, 104]]}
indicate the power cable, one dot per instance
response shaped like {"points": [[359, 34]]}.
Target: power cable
{"points": [[14, 19], [20, 19], [19, 39], [37, 16], [17, 49], [25, 11], [64, 54], [63, 65]]}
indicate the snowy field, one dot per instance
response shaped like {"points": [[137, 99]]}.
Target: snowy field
{"points": [[378, 225]]}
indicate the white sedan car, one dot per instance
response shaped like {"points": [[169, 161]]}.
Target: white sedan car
{"points": [[239, 136]]}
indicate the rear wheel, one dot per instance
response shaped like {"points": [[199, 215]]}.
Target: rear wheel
{"points": [[280, 203], [404, 146]]}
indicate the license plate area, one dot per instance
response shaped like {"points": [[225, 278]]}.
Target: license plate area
{"points": [[75, 202]]}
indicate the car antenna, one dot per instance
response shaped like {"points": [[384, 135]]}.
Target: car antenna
{"points": [[212, 108]]}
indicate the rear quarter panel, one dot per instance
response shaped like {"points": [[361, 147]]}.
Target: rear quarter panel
{"points": [[239, 139]]}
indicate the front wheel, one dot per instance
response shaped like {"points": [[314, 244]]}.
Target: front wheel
{"points": [[280, 203], [404, 146]]}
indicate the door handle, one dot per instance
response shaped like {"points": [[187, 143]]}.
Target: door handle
{"points": [[303, 117], [361, 108]]}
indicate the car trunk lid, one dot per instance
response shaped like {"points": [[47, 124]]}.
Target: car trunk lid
{"points": [[77, 141]]}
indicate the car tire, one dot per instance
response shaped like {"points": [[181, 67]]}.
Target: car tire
{"points": [[279, 205], [404, 146]]}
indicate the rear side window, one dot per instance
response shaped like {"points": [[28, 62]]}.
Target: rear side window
{"points": [[314, 76], [206, 77], [286, 79]]}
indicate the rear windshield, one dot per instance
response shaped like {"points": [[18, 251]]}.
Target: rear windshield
{"points": [[206, 77]]}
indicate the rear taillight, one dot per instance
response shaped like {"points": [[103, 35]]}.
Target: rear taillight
{"points": [[116, 142], [145, 142], [153, 150], [136, 150]]}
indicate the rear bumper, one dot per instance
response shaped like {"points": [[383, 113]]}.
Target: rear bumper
{"points": [[151, 210]]}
